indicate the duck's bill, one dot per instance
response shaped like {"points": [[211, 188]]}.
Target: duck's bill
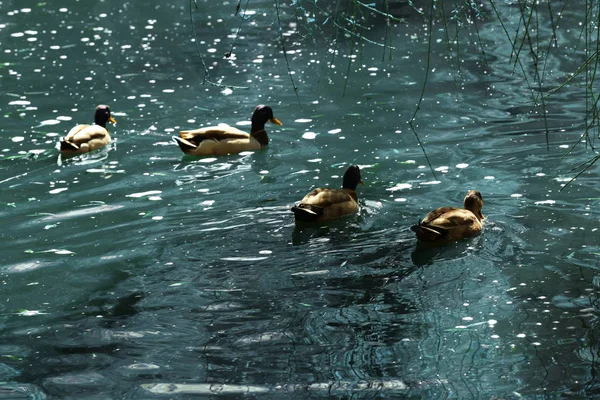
{"points": [[112, 120], [361, 182], [276, 121]]}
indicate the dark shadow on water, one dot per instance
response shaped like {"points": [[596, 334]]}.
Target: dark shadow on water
{"points": [[92, 157], [336, 230], [429, 253]]}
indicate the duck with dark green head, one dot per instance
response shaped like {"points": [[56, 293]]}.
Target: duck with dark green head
{"points": [[224, 139], [85, 138]]}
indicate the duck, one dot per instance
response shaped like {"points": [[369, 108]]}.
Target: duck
{"points": [[323, 204], [447, 224], [85, 138], [224, 139]]}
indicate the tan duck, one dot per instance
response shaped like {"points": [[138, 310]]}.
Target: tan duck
{"points": [[225, 139], [85, 138], [323, 204], [446, 224]]}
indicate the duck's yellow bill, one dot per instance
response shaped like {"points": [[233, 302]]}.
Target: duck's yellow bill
{"points": [[361, 182], [112, 120], [276, 121]]}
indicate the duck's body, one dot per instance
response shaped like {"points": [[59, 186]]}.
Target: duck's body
{"points": [[324, 204], [85, 138], [446, 224], [224, 139]]}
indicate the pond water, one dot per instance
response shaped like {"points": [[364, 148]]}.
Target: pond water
{"points": [[135, 272]]}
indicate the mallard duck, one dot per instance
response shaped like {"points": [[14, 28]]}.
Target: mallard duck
{"points": [[323, 204], [225, 139], [85, 138], [447, 224]]}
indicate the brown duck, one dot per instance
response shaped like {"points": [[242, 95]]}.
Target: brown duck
{"points": [[324, 204], [446, 224]]}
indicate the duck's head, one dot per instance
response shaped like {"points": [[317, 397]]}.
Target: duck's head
{"points": [[103, 115], [263, 114], [474, 203], [352, 178]]}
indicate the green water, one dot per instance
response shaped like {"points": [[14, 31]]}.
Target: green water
{"points": [[135, 272]]}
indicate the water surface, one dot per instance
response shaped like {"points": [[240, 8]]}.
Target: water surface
{"points": [[135, 272]]}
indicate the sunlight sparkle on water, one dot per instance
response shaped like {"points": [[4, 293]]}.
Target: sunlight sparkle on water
{"points": [[334, 131], [49, 122], [399, 186], [243, 258], [142, 194], [309, 135], [30, 313], [303, 120], [537, 203], [19, 103]]}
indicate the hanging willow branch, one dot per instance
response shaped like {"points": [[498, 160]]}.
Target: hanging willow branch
{"points": [[206, 73], [412, 119], [280, 30]]}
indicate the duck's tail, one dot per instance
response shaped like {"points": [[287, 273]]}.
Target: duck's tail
{"points": [[68, 146], [183, 144], [426, 233], [307, 212]]}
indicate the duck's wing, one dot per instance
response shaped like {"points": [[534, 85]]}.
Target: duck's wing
{"points": [[325, 197], [220, 132], [86, 133], [324, 204], [448, 218]]}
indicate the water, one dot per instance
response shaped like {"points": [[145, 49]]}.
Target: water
{"points": [[135, 272]]}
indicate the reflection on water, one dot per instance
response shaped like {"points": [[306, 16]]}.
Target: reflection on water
{"points": [[135, 271]]}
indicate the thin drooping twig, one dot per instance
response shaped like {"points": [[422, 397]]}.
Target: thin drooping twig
{"points": [[537, 75], [575, 74], [412, 119], [589, 163], [361, 37], [385, 14], [354, 25], [387, 28], [206, 74], [534, 96], [237, 10], [287, 62]]}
